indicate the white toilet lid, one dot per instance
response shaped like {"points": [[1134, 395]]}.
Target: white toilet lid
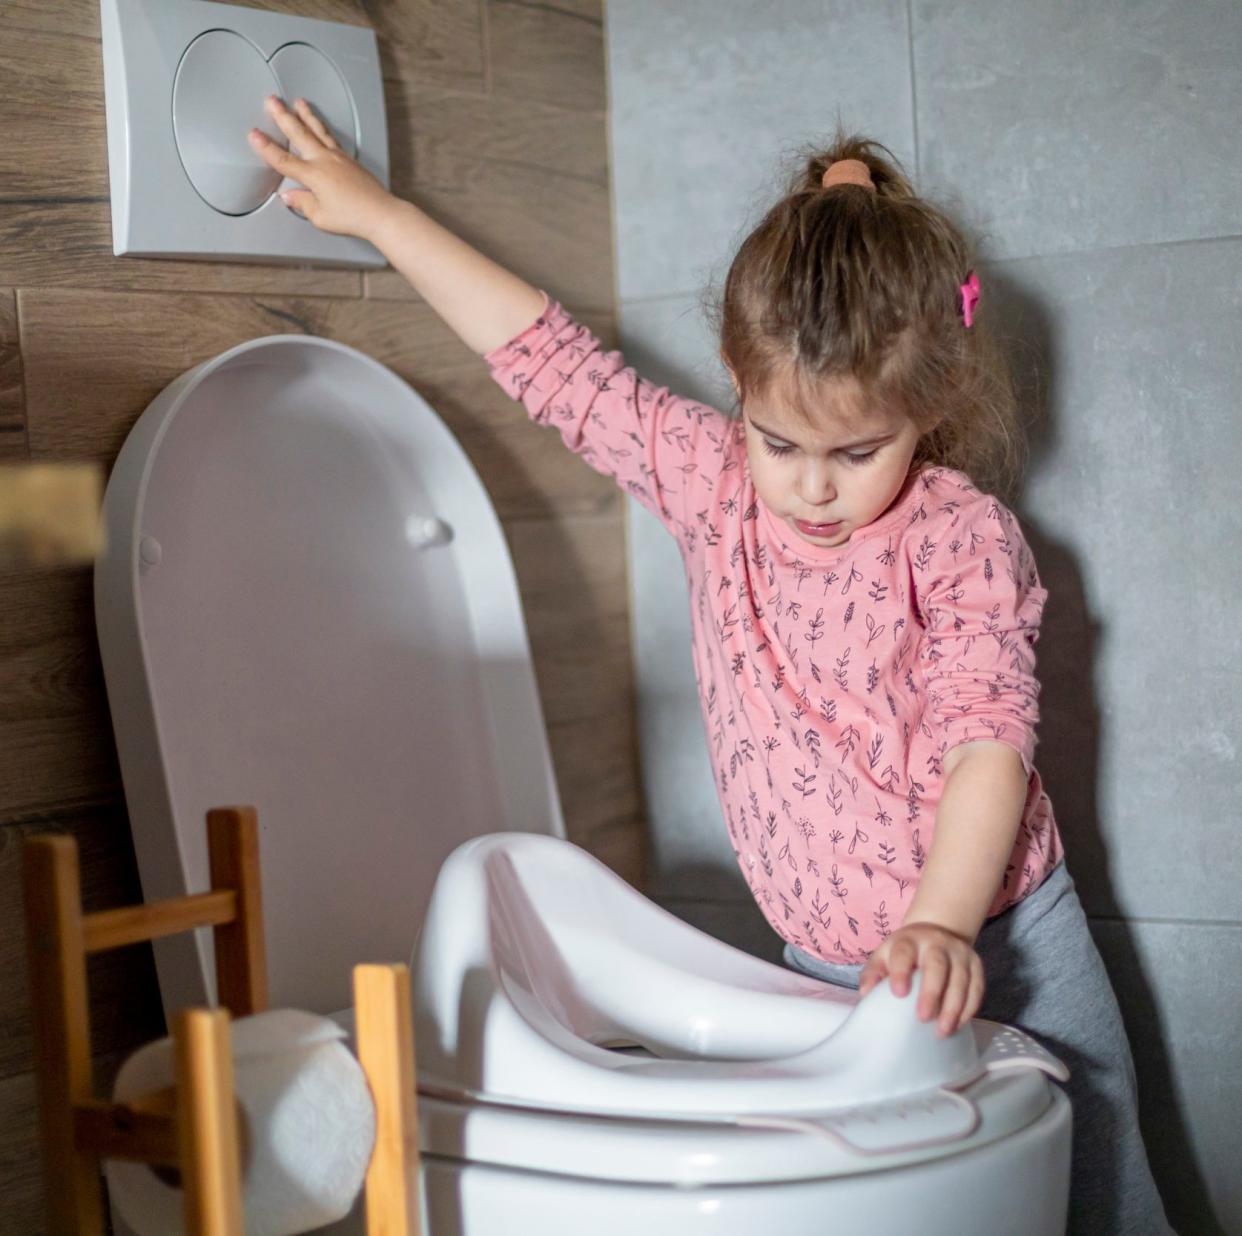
{"points": [[307, 605]]}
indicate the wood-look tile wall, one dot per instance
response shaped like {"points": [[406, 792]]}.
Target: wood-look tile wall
{"points": [[496, 114]]}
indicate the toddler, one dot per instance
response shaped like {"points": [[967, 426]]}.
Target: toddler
{"points": [[864, 614]]}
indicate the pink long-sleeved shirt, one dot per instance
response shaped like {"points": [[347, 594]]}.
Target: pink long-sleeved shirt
{"points": [[832, 680]]}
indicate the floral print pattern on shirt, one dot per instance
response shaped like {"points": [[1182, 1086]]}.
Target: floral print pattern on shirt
{"points": [[832, 681]]}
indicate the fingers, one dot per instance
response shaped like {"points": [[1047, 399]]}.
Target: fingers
{"points": [[952, 980], [955, 993], [935, 966], [316, 126], [298, 200], [978, 985], [277, 157], [901, 962], [292, 127]]}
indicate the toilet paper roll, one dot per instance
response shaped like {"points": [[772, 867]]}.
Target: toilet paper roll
{"points": [[309, 1127]]}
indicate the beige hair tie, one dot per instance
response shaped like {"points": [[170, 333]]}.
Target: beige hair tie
{"points": [[848, 172]]}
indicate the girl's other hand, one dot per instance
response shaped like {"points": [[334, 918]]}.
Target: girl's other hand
{"points": [[952, 983], [340, 195]]}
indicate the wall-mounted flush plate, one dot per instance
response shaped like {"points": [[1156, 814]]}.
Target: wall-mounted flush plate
{"points": [[184, 84]]}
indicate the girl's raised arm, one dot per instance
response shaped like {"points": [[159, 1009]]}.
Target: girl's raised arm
{"points": [[668, 452], [482, 301]]}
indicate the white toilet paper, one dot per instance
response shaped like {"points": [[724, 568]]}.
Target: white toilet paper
{"points": [[309, 1127]]}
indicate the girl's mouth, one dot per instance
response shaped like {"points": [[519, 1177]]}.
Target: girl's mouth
{"points": [[817, 529]]}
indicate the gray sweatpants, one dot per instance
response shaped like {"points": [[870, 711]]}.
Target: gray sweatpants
{"points": [[1045, 976]]}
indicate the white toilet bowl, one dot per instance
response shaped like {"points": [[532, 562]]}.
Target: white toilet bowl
{"points": [[754, 1098], [307, 604]]}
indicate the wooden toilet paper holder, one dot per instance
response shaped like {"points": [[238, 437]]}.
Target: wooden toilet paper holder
{"points": [[191, 1126]]}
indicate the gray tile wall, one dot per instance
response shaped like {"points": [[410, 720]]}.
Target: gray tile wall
{"points": [[1095, 149]]}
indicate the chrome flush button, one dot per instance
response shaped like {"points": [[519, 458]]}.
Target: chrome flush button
{"points": [[218, 96]]}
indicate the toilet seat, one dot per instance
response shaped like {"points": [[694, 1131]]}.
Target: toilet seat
{"points": [[687, 1153], [534, 956]]}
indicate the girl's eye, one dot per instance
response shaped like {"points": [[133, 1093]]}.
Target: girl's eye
{"points": [[860, 458]]}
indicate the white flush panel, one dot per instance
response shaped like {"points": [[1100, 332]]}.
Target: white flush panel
{"points": [[184, 82]]}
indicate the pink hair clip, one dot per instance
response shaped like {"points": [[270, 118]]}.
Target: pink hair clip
{"points": [[970, 297]]}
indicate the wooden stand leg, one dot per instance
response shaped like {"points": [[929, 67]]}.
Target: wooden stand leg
{"points": [[241, 957], [207, 1143], [385, 1041], [61, 1032]]}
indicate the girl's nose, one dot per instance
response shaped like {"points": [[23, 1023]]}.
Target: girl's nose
{"points": [[816, 484]]}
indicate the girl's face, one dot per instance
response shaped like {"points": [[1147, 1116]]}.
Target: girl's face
{"points": [[825, 481]]}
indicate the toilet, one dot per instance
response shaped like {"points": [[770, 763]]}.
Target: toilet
{"points": [[307, 604]]}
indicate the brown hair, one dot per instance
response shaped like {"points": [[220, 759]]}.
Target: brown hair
{"points": [[846, 282]]}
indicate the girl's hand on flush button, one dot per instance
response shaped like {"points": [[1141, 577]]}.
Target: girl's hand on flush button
{"points": [[340, 195]]}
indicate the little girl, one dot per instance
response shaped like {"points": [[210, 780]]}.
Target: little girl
{"points": [[864, 616]]}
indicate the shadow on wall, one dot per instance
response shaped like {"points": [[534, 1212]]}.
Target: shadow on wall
{"points": [[1068, 759], [723, 907]]}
